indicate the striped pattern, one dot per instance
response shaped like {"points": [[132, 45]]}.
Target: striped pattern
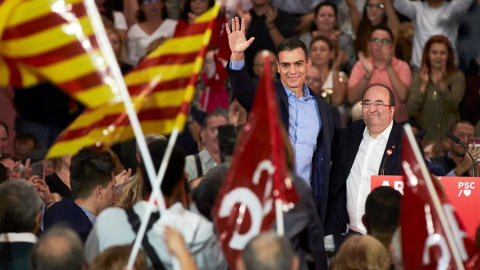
{"points": [[161, 88], [53, 40]]}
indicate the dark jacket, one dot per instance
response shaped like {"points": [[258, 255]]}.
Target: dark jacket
{"points": [[244, 91], [344, 150], [69, 213]]}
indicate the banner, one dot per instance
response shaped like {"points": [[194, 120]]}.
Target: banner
{"points": [[257, 177]]}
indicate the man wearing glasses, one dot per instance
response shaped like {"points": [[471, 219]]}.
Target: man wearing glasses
{"points": [[381, 67], [367, 147]]}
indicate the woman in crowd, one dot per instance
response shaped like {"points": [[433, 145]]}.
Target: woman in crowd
{"points": [[375, 12], [195, 8], [59, 181], [112, 18], [437, 89], [152, 24], [333, 82], [326, 25], [118, 48]]}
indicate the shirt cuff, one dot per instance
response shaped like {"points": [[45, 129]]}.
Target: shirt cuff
{"points": [[237, 65], [451, 173]]}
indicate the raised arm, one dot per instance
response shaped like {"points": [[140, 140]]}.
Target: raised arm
{"points": [[392, 19], [237, 40]]}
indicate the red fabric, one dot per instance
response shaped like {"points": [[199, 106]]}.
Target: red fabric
{"points": [[245, 203], [425, 244]]}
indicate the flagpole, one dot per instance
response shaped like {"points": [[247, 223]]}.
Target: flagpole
{"points": [[119, 86], [436, 202]]}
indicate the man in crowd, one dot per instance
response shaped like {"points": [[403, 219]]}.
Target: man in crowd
{"points": [[382, 213], [24, 144], [268, 251], [456, 161], [58, 248], [3, 138], [92, 180], [367, 147], [116, 226], [383, 68], [20, 214], [199, 164], [306, 117]]}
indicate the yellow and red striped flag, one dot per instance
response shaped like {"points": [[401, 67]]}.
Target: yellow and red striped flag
{"points": [[53, 40], [161, 88]]}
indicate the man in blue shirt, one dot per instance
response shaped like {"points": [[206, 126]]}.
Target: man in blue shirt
{"points": [[306, 117]]}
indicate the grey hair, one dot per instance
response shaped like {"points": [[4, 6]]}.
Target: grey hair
{"points": [[57, 249], [152, 138], [19, 206], [268, 251]]}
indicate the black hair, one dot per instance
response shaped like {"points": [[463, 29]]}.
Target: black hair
{"points": [[186, 9], [454, 126], [89, 169], [175, 169], [382, 27], [382, 209], [390, 92], [27, 136], [290, 44]]}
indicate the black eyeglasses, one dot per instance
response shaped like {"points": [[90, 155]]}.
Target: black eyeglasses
{"points": [[380, 41], [370, 6], [378, 104]]}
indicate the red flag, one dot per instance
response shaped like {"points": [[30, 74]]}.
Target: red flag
{"points": [[257, 176], [433, 237]]}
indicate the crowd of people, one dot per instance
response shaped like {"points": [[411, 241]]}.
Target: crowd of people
{"points": [[347, 74]]}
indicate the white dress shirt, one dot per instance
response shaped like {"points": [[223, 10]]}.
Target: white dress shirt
{"points": [[367, 163]]}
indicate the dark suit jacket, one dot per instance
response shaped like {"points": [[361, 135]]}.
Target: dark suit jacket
{"points": [[344, 150], [15, 255], [69, 213], [244, 91]]}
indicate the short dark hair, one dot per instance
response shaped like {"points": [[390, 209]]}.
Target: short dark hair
{"points": [[278, 254], [382, 209], [210, 115], [390, 92], [19, 206], [175, 168], [4, 125], [58, 248], [465, 122], [326, 4], [27, 136], [290, 44], [382, 27], [89, 169]]}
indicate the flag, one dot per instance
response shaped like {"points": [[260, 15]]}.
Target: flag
{"points": [[256, 178], [54, 40], [433, 237], [161, 88]]}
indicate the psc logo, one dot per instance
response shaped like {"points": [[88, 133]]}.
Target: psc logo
{"points": [[465, 188]]}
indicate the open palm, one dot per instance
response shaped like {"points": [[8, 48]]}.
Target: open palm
{"points": [[236, 37]]}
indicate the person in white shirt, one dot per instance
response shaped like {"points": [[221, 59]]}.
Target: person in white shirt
{"points": [[371, 146]]}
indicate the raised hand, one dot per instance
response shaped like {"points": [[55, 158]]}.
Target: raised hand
{"points": [[424, 74], [271, 15], [341, 58], [237, 40], [387, 55], [365, 63], [244, 14]]}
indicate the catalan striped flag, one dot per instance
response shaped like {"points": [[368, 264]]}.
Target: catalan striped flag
{"points": [[53, 40], [161, 88]]}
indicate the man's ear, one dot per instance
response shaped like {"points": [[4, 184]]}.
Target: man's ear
{"points": [[239, 263], [295, 263], [99, 192]]}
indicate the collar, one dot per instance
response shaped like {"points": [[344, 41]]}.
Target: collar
{"points": [[89, 214], [18, 237], [384, 135], [306, 92]]}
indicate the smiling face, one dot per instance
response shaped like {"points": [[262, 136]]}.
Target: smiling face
{"points": [[438, 55], [377, 118], [320, 53], [375, 11], [292, 66], [325, 19]]}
